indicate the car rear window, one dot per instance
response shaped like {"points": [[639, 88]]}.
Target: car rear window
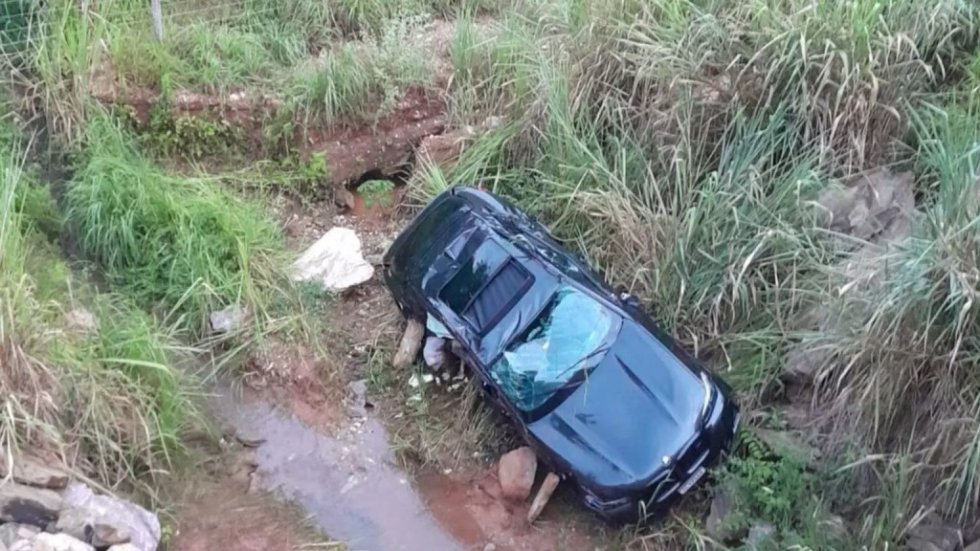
{"points": [[481, 293]]}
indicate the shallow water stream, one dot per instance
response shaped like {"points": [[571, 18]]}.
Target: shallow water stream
{"points": [[348, 484]]}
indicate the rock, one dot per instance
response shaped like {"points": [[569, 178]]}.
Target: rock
{"points": [[33, 472], [542, 497], [975, 546], [791, 445], [933, 537], [111, 521], [443, 150], [717, 524], [516, 471], [357, 403], [434, 352], [28, 505], [487, 547], [803, 362], [81, 320], [334, 261], [12, 532], [231, 318], [124, 547], [410, 344], [762, 535], [58, 542], [875, 206]]}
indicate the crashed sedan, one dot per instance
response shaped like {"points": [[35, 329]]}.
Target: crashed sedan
{"points": [[603, 396]]}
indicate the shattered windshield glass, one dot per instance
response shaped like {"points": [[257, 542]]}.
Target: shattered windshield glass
{"points": [[569, 337]]}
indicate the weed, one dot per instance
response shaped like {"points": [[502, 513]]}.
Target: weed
{"points": [[377, 193], [362, 78], [190, 137], [182, 244], [106, 394]]}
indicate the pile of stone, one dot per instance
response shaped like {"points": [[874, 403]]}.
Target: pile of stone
{"points": [[41, 509]]}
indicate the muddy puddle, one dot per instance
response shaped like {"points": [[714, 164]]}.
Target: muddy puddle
{"points": [[348, 484]]}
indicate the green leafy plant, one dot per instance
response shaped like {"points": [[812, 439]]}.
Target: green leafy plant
{"points": [[190, 137], [377, 193]]}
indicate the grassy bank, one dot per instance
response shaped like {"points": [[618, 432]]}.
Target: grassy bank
{"points": [[683, 147], [87, 377]]}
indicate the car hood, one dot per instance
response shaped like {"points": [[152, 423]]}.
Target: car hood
{"points": [[640, 404]]}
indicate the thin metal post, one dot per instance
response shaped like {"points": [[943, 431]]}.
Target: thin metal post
{"points": [[156, 13]]}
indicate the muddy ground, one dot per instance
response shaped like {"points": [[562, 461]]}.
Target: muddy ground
{"points": [[323, 444]]}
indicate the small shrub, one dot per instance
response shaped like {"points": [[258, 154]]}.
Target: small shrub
{"points": [[377, 193], [191, 137]]}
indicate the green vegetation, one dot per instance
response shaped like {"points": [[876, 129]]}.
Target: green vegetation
{"points": [[102, 383], [377, 193], [182, 244], [681, 146]]}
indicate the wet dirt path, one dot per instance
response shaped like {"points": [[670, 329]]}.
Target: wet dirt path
{"points": [[348, 483]]}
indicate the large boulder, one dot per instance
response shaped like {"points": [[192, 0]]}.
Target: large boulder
{"points": [[334, 261], [516, 471], [28, 505], [107, 521]]}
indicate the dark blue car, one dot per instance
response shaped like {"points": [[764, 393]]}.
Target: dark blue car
{"points": [[605, 398]]}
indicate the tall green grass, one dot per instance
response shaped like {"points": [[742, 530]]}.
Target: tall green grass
{"points": [[182, 246], [680, 146], [106, 399]]}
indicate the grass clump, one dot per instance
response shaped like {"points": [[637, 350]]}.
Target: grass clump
{"points": [[86, 377], [182, 245], [361, 79]]}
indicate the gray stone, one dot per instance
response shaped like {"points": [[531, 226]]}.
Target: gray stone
{"points": [[357, 403], [516, 471], [762, 535], [718, 524], [230, 319], [110, 521], [82, 321], [789, 444], [975, 546], [28, 505], [12, 532], [876, 206], [124, 547], [58, 542], [933, 537], [33, 472]]}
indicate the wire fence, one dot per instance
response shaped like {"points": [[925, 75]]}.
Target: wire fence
{"points": [[23, 22]]}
